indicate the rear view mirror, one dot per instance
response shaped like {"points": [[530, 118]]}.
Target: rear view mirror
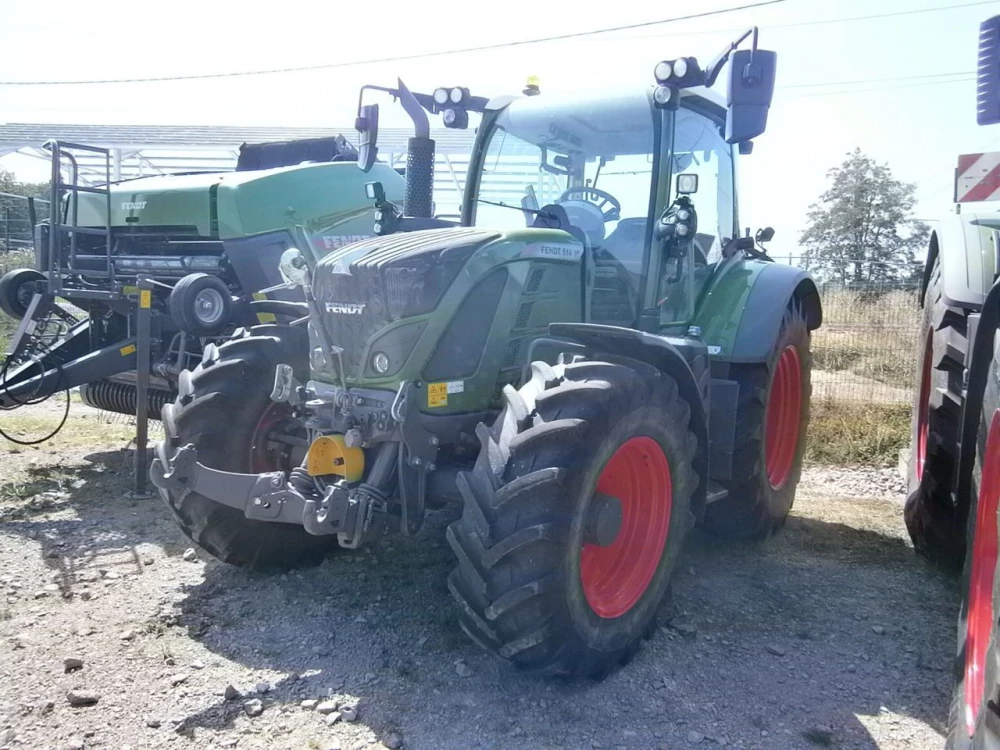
{"points": [[988, 82], [751, 88], [367, 125], [764, 235]]}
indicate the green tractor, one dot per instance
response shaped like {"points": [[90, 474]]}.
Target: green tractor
{"points": [[591, 361]]}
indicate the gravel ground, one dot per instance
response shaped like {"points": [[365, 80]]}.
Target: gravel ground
{"points": [[831, 634]]}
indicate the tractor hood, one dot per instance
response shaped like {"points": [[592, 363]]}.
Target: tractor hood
{"points": [[231, 205], [405, 279]]}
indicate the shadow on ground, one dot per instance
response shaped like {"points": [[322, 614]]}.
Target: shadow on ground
{"points": [[824, 635]]}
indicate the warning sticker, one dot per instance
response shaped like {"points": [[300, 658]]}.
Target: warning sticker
{"points": [[437, 394], [127, 350], [145, 298], [264, 317], [456, 386]]}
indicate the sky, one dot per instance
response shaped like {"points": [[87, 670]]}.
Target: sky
{"points": [[820, 110]]}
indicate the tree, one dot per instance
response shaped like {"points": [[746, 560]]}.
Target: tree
{"points": [[15, 222], [861, 229]]}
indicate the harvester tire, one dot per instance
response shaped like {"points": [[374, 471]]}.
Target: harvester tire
{"points": [[772, 416], [552, 575], [16, 290], [224, 408], [931, 518], [972, 720]]}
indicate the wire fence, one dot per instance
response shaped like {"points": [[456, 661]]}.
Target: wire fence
{"points": [[866, 350], [15, 220]]}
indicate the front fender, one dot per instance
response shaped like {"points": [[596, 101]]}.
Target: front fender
{"points": [[741, 313], [967, 245]]}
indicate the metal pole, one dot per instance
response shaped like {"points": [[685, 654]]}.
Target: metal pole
{"points": [[6, 229], [143, 356]]}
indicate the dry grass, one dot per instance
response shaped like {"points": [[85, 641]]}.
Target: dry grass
{"points": [[845, 433]]}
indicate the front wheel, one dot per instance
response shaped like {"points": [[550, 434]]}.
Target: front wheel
{"points": [[224, 408], [17, 287], [973, 719], [574, 516]]}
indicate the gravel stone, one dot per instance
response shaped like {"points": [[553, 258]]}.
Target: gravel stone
{"points": [[153, 723], [327, 707], [253, 707], [332, 719], [75, 743], [349, 713], [190, 555], [309, 704], [695, 738], [878, 629], [72, 663], [231, 693], [776, 650], [462, 669], [179, 679], [82, 697], [197, 665], [393, 741], [263, 687]]}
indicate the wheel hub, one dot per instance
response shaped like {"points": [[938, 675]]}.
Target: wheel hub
{"points": [[784, 412], [626, 527]]}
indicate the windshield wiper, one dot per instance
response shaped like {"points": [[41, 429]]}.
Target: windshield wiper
{"points": [[537, 212]]}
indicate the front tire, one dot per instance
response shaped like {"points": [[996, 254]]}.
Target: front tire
{"points": [[772, 418], [972, 722], [932, 520], [224, 408], [552, 575], [17, 287]]}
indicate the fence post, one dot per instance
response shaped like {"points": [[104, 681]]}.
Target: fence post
{"points": [[6, 229]]}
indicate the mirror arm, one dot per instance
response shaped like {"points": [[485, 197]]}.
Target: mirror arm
{"points": [[715, 67]]}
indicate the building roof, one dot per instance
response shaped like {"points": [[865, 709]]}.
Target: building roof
{"points": [[17, 135]]}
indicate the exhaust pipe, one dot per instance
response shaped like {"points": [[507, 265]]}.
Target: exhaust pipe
{"points": [[419, 159]]}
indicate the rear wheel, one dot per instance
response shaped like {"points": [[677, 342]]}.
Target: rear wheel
{"points": [[932, 520], [574, 516], [973, 721], [224, 408], [772, 417]]}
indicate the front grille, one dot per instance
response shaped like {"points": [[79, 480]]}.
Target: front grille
{"points": [[353, 309]]}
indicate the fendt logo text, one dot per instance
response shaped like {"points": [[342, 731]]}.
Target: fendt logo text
{"points": [[133, 205], [345, 308]]}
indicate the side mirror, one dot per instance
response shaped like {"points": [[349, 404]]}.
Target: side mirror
{"points": [[293, 268], [751, 88], [764, 235], [988, 98], [367, 125], [687, 184]]}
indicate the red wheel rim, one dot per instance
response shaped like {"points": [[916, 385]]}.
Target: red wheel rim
{"points": [[262, 458], [979, 614], [615, 577], [923, 414], [784, 411]]}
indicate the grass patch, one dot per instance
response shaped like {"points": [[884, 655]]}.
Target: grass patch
{"points": [[849, 432]]}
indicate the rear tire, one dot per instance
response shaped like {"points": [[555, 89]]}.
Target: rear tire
{"points": [[971, 722], [224, 408], [933, 522], [772, 417], [539, 583], [16, 290]]}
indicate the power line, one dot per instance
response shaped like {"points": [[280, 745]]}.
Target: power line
{"points": [[875, 89], [878, 80], [818, 22], [398, 58]]}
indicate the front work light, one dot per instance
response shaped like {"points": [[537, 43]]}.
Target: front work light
{"points": [[440, 96], [380, 362]]}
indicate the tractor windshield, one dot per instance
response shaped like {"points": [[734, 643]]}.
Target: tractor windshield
{"points": [[539, 150]]}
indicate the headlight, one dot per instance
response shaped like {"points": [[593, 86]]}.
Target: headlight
{"points": [[378, 215], [378, 228], [318, 359], [683, 214], [680, 67], [662, 94], [440, 96], [682, 230], [663, 71], [380, 362], [449, 116], [457, 95]]}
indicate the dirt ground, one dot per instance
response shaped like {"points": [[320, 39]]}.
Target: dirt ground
{"points": [[831, 634]]}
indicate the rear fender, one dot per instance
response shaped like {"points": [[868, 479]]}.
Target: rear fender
{"points": [[686, 360], [741, 315]]}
